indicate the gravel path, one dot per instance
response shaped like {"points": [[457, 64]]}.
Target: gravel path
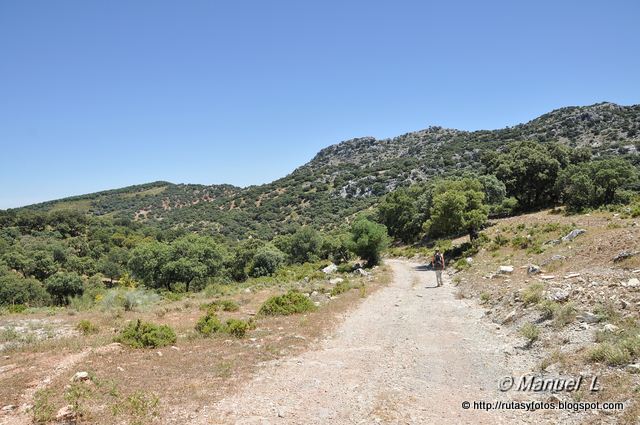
{"points": [[410, 354]]}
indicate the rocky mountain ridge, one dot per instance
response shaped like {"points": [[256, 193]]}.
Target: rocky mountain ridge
{"points": [[350, 176]]}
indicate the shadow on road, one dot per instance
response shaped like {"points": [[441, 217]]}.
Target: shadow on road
{"points": [[425, 268]]}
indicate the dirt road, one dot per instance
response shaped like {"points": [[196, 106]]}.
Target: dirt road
{"points": [[411, 353]]}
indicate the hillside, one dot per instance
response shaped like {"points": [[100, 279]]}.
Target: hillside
{"points": [[350, 176]]}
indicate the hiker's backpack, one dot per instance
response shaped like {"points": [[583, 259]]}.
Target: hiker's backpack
{"points": [[438, 260]]}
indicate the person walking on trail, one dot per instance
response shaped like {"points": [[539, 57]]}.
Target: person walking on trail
{"points": [[438, 266]]}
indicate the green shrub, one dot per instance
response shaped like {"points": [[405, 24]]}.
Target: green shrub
{"points": [[520, 242], [611, 354], [43, 409], [548, 309], [564, 315], [606, 312], [15, 290], [345, 268], [140, 334], [16, 308], [340, 288], [290, 303], [86, 327], [369, 239], [532, 294], [237, 328], [210, 324], [485, 297], [530, 332], [461, 264], [221, 305], [500, 240], [618, 348], [63, 286], [266, 261], [128, 299], [172, 295]]}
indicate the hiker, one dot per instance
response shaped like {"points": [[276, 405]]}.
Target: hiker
{"points": [[438, 266]]}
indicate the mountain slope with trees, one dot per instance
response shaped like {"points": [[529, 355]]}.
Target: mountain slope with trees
{"points": [[351, 176]]}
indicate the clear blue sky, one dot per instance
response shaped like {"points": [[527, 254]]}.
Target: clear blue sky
{"points": [[102, 94]]}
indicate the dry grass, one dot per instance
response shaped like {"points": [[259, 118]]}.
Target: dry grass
{"points": [[520, 241], [136, 385]]}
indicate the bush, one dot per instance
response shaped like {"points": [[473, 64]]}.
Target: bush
{"points": [[266, 261], [369, 239], [128, 299], [611, 354], [635, 210], [561, 314], [532, 294], [290, 303], [340, 288], [221, 305], [500, 240], [237, 328], [303, 246], [210, 324], [461, 264], [63, 286], [140, 334], [17, 290], [530, 332], [564, 315], [548, 309], [606, 312], [485, 297], [86, 327], [620, 347]]}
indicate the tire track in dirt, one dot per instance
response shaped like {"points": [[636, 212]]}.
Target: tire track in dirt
{"points": [[411, 353]]}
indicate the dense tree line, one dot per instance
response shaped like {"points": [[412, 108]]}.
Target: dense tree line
{"points": [[524, 176], [51, 257]]}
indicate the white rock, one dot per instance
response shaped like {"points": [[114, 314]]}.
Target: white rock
{"points": [[9, 407], [362, 272], [633, 368], [336, 280], [331, 268], [80, 376], [509, 317], [547, 276], [610, 328], [632, 283], [65, 414], [505, 269], [572, 275], [533, 269], [469, 260], [588, 317], [559, 296], [573, 234]]}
